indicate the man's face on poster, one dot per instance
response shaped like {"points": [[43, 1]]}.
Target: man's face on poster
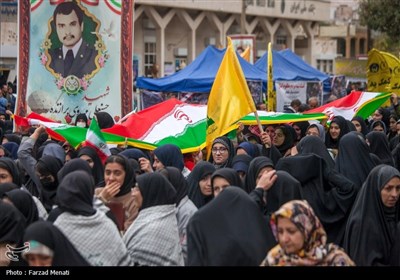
{"points": [[69, 30]]}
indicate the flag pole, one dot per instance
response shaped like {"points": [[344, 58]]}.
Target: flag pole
{"points": [[270, 83]]}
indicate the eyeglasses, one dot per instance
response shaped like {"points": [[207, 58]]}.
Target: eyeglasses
{"points": [[221, 150]]}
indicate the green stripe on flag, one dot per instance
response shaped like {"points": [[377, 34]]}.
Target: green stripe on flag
{"points": [[369, 107], [282, 118]]}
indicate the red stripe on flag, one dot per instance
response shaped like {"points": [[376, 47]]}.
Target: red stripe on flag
{"points": [[343, 102], [102, 156], [137, 125]]}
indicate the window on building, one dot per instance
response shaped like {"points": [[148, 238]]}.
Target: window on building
{"points": [[271, 3], [325, 65], [260, 3], [281, 40], [150, 57]]}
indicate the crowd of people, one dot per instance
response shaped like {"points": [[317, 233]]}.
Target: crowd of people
{"points": [[293, 194]]}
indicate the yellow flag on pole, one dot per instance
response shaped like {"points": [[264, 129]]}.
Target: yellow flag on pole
{"points": [[271, 100], [383, 72], [230, 98], [246, 54]]}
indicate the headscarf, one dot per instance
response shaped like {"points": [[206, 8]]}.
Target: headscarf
{"points": [[12, 148], [229, 231], [10, 165], [315, 250], [98, 167], [369, 235], [104, 120], [74, 165], [321, 130], [199, 172], [361, 121], [82, 117], [75, 194], [331, 143], [170, 155], [64, 253], [230, 149], [255, 167], [250, 148], [155, 190], [12, 224], [129, 181], [175, 177], [379, 145], [55, 150], [228, 174], [23, 201], [314, 145]]}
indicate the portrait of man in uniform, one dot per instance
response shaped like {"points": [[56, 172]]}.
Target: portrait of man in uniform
{"points": [[75, 56]]}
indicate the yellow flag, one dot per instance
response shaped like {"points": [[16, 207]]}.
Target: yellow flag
{"points": [[383, 72], [230, 98], [246, 54], [271, 104]]}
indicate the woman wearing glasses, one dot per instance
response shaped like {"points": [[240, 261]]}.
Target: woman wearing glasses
{"points": [[222, 152]]}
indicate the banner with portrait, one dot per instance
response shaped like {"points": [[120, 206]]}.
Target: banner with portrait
{"points": [[75, 57], [286, 91]]}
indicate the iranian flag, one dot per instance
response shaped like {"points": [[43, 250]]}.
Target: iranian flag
{"points": [[175, 122], [95, 139], [357, 103], [76, 136]]}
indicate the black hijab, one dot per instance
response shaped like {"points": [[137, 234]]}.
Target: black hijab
{"points": [[369, 236], [130, 177], [104, 120], [199, 172], [230, 149], [155, 190], [354, 160], [314, 145], [64, 253], [170, 155], [98, 168], [228, 174], [10, 165], [255, 167], [175, 177], [344, 129], [379, 145], [12, 224], [75, 194], [23, 201], [74, 165], [229, 231], [330, 194]]}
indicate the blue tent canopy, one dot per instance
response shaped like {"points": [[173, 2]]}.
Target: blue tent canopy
{"points": [[287, 66], [199, 75]]}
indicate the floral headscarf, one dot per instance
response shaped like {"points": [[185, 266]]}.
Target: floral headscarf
{"points": [[315, 251]]}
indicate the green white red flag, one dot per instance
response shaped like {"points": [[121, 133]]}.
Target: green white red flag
{"points": [[95, 139], [357, 103]]}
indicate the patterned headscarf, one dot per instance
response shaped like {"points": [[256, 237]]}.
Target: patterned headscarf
{"points": [[315, 250]]}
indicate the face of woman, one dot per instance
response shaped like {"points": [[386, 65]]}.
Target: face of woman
{"points": [[157, 164], [334, 131], [279, 137], [39, 260], [220, 153], [205, 185], [114, 172], [88, 159], [313, 131], [376, 116], [357, 125], [390, 192], [5, 176], [378, 128], [289, 236], [219, 184]]}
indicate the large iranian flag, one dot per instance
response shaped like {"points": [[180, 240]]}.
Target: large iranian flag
{"points": [[182, 124], [77, 136], [357, 103]]}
